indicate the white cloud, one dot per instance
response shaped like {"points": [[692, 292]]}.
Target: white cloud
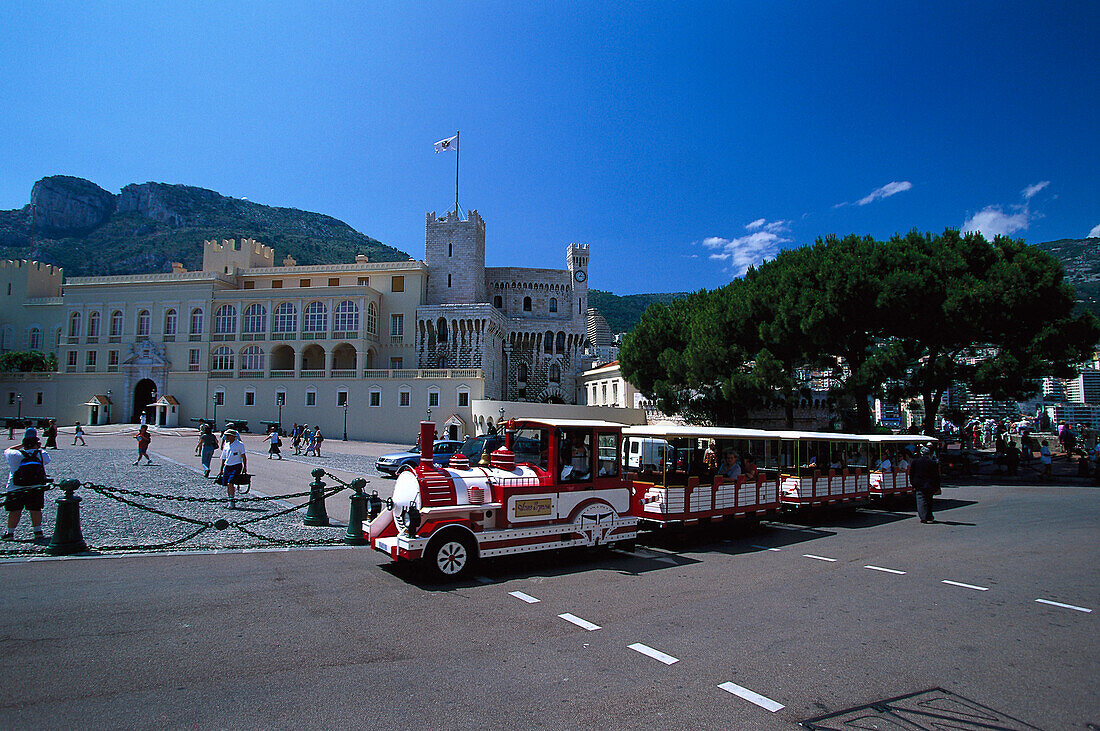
{"points": [[885, 191], [1095, 232], [752, 249], [993, 220], [1033, 189]]}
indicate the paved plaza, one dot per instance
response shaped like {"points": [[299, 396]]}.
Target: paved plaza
{"points": [[992, 611]]}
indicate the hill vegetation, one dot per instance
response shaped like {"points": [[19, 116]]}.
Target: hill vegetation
{"points": [[75, 224], [622, 312]]}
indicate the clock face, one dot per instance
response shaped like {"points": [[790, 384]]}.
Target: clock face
{"points": [[580, 275]]}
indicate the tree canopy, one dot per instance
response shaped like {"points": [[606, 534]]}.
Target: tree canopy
{"points": [[908, 317], [27, 361]]}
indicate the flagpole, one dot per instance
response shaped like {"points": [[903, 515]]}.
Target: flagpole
{"points": [[458, 150]]}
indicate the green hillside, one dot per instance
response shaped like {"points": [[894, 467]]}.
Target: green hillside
{"points": [[623, 312], [89, 231], [1081, 258]]}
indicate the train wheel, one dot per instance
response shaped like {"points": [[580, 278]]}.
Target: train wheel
{"points": [[450, 555]]}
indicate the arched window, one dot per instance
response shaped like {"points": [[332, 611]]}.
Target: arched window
{"points": [[548, 342], [441, 330], [345, 318], [144, 322], [316, 318], [196, 321], [526, 304], [254, 320], [221, 359], [93, 324], [553, 304], [225, 320], [170, 319], [286, 318], [498, 302], [34, 338], [560, 342], [7, 338], [555, 373], [252, 358], [116, 324], [372, 318], [522, 377], [74, 325]]}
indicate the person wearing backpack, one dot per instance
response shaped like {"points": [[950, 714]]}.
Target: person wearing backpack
{"points": [[26, 484]]}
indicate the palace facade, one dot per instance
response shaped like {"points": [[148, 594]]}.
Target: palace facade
{"points": [[372, 344]]}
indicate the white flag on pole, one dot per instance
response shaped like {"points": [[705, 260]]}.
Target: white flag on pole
{"points": [[451, 143]]}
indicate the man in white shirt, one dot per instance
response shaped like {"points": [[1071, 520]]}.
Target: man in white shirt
{"points": [[234, 462], [29, 461]]}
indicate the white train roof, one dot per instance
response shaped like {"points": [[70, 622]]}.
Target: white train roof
{"points": [[567, 422], [666, 431]]}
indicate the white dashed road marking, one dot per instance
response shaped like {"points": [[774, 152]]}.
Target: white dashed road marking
{"points": [[525, 597], [879, 568], [966, 586], [655, 654], [1064, 606], [764, 548], [819, 558], [582, 623], [766, 703]]}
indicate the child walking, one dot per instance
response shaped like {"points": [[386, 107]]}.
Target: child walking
{"points": [[143, 439], [79, 434]]}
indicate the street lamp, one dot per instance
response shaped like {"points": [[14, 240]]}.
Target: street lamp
{"points": [[214, 398], [19, 398], [345, 420], [107, 408], [279, 399]]}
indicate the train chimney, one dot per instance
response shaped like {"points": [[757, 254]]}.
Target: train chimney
{"points": [[427, 442]]}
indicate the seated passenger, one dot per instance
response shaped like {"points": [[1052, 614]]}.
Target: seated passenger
{"points": [[730, 468], [749, 467], [885, 465], [903, 461], [576, 462], [710, 457]]}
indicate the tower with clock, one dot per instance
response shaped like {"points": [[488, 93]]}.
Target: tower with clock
{"points": [[576, 257]]}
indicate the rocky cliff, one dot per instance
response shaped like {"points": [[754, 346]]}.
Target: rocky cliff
{"points": [[75, 224]]}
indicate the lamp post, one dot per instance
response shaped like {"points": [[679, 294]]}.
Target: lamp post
{"points": [[501, 422], [214, 398], [279, 399], [345, 421], [107, 408], [19, 398]]}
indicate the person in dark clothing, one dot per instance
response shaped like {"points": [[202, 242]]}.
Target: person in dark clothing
{"points": [[50, 433], [924, 474]]}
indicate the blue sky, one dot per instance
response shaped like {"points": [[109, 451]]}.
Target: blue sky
{"points": [[682, 141]]}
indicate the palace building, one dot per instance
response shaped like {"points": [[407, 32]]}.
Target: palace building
{"points": [[374, 343]]}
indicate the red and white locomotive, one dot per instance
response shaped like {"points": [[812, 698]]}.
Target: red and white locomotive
{"points": [[556, 483]]}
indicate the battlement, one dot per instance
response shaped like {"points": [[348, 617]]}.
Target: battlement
{"points": [[230, 255], [32, 278], [450, 217]]}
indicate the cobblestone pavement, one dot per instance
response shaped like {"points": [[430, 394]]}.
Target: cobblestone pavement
{"points": [[110, 525]]}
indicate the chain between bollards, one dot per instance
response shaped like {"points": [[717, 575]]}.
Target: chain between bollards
{"points": [[316, 515]]}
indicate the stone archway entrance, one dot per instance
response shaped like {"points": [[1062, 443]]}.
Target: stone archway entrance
{"points": [[145, 392]]}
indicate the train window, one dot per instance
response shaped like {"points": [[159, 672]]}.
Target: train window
{"points": [[607, 463], [532, 446], [575, 455]]}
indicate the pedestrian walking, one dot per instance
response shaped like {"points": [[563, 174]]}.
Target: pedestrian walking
{"points": [[208, 444], [924, 474], [143, 439], [234, 463], [273, 444], [50, 432], [309, 441], [26, 484], [79, 434], [142, 420], [318, 437], [296, 440]]}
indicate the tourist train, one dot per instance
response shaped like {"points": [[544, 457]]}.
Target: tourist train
{"points": [[560, 483]]}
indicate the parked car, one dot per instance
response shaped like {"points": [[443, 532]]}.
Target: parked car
{"points": [[442, 451]]}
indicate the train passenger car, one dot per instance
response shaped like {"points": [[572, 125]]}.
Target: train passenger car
{"points": [[890, 458], [682, 481], [556, 483], [818, 468]]}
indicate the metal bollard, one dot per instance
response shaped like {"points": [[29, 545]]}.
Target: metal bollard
{"points": [[354, 535], [316, 513], [67, 538]]}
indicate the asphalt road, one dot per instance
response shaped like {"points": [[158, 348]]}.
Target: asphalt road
{"points": [[324, 637]]}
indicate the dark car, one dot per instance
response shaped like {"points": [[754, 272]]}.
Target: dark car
{"points": [[442, 451]]}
